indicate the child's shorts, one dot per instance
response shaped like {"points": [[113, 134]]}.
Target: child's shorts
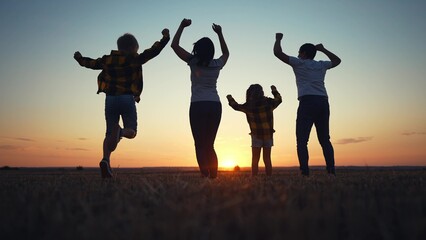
{"points": [[257, 142], [121, 105]]}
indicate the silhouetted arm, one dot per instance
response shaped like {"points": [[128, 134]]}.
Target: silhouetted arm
{"points": [[277, 96], [182, 53], [223, 46], [335, 60], [234, 104], [156, 48], [95, 64], [278, 52]]}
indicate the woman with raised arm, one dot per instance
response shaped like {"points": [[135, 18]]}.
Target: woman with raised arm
{"points": [[206, 109]]}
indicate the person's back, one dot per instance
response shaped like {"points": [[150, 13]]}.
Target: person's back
{"points": [[122, 69], [120, 74], [205, 111], [310, 75], [259, 113], [313, 108], [204, 80], [121, 80]]}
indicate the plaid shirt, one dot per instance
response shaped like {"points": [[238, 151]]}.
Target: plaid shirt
{"points": [[122, 73], [260, 115]]}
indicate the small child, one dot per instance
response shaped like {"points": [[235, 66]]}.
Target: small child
{"points": [[259, 112], [122, 82]]}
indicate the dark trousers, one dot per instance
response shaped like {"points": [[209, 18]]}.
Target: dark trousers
{"points": [[313, 110], [205, 119]]}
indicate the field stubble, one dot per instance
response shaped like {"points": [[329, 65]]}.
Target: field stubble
{"points": [[385, 203]]}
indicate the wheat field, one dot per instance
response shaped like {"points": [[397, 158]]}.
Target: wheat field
{"points": [[360, 203]]}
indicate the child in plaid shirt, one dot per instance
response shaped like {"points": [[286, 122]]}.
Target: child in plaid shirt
{"points": [[259, 113], [122, 82]]}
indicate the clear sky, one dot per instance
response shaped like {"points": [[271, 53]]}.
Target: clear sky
{"points": [[50, 114]]}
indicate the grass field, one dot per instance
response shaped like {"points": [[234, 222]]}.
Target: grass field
{"points": [[360, 203]]}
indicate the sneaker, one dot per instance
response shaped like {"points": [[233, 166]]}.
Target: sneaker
{"points": [[105, 169]]}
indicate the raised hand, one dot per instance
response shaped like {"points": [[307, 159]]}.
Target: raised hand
{"points": [[165, 32], [77, 55], [278, 36], [319, 47], [217, 28], [137, 99], [186, 22]]}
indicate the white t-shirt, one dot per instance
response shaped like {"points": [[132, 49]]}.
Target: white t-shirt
{"points": [[310, 75], [204, 80]]}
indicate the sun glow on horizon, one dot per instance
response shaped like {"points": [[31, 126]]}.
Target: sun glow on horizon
{"points": [[227, 164], [54, 128]]}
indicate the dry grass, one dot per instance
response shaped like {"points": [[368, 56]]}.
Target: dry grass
{"points": [[69, 204]]}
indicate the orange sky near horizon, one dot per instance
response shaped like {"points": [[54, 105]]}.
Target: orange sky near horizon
{"points": [[141, 152]]}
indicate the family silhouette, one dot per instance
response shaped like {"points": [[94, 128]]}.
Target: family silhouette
{"points": [[122, 81]]}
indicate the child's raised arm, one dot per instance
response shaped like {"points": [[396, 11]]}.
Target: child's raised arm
{"points": [[277, 96], [182, 53], [95, 64], [234, 104], [230, 98], [156, 48], [77, 56]]}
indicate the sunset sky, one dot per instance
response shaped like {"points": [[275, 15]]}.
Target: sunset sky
{"points": [[50, 114]]}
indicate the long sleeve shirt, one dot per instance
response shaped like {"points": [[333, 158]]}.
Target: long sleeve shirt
{"points": [[260, 115], [122, 73]]}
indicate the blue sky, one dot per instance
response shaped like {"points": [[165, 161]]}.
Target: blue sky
{"points": [[377, 94]]}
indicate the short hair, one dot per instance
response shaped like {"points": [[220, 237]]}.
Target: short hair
{"points": [[203, 51], [127, 42], [309, 49]]}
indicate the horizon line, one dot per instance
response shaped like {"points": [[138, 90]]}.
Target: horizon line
{"points": [[219, 168]]}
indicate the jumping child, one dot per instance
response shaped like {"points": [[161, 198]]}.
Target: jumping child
{"points": [[259, 113], [121, 80]]}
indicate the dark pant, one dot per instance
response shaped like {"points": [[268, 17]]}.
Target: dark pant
{"points": [[313, 110], [205, 119]]}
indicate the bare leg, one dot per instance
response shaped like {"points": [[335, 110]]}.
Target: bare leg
{"points": [[110, 142], [106, 150], [267, 160], [255, 160]]}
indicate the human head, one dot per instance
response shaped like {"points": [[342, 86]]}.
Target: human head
{"points": [[204, 51], [307, 51], [127, 43], [254, 92]]}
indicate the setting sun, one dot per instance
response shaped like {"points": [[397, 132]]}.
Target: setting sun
{"points": [[68, 131], [227, 164]]}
